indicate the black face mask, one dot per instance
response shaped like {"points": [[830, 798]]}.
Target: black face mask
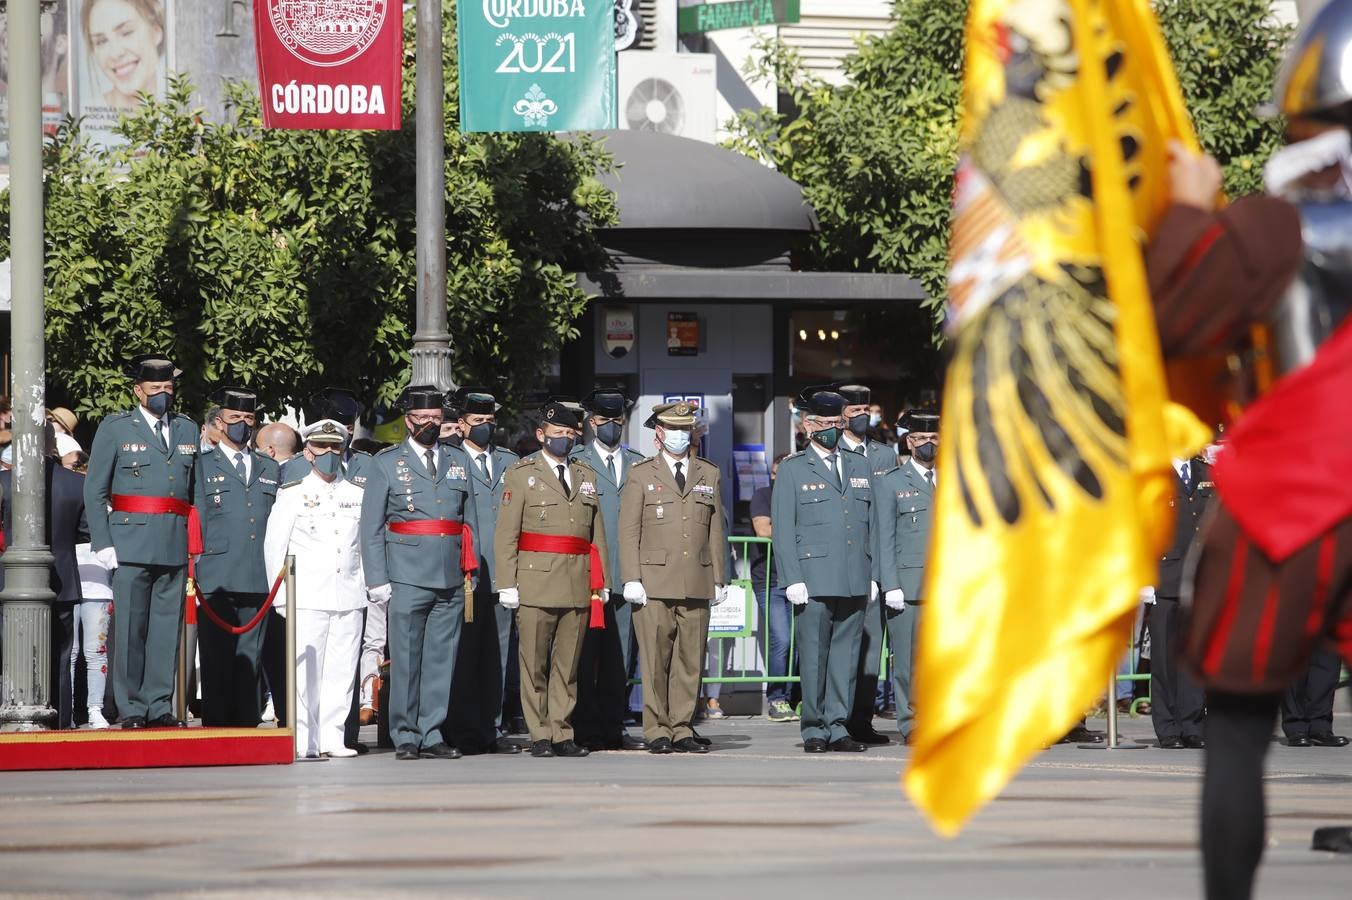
{"points": [[238, 432], [559, 447], [159, 404], [608, 433], [858, 425], [481, 434], [426, 434], [454, 439], [926, 452]]}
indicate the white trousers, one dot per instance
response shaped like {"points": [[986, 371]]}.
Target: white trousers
{"points": [[327, 644], [373, 649]]}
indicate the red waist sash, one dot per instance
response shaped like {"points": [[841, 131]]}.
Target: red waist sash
{"points": [[153, 505], [531, 542], [469, 560]]}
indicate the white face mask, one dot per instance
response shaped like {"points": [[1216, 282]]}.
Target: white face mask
{"points": [[874, 419], [676, 442]]}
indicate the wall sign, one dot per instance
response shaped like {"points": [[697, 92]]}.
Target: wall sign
{"points": [[682, 334], [619, 336], [735, 14]]}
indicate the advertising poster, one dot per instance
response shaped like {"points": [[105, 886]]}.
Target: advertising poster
{"points": [[55, 72], [121, 51]]}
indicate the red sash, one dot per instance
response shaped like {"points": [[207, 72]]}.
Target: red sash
{"points": [[469, 560], [531, 542]]}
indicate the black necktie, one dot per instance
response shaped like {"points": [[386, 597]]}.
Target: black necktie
{"points": [[431, 463], [239, 466], [159, 434], [610, 464], [680, 478], [1185, 475], [563, 479]]}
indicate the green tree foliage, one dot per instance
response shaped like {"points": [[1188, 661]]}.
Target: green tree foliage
{"points": [[876, 156], [284, 260]]}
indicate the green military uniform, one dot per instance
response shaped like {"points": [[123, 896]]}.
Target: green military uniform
{"points": [[234, 493], [823, 538], [673, 544], [607, 653], [553, 587], [905, 513], [141, 456], [481, 663], [424, 572]]}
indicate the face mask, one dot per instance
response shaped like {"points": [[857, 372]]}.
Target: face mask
{"points": [[874, 420], [827, 438], [481, 434], [454, 439], [427, 434], [238, 432], [858, 425], [328, 464], [608, 433], [559, 447], [159, 404], [676, 442], [926, 451]]}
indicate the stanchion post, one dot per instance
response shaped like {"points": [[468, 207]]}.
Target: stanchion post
{"points": [[292, 712], [181, 673], [1112, 743]]}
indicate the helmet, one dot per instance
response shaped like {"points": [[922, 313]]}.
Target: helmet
{"points": [[1316, 78]]}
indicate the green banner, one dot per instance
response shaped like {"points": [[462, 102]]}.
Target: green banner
{"points": [[735, 14], [536, 65]]}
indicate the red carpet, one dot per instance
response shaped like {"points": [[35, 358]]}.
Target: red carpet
{"points": [[155, 748]]}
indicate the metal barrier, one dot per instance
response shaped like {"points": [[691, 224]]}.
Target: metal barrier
{"points": [[744, 544]]}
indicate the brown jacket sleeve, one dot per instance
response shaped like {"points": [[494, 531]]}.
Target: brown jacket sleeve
{"points": [[718, 537], [631, 522], [1213, 275], [508, 533]]}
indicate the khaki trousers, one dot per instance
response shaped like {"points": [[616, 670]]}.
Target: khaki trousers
{"points": [[671, 636], [550, 642]]}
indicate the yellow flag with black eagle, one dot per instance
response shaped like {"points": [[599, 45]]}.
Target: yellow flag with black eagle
{"points": [[1054, 472]]}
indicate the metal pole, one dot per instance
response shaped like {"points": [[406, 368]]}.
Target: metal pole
{"points": [[431, 339], [1112, 743], [25, 604], [181, 674], [291, 710]]}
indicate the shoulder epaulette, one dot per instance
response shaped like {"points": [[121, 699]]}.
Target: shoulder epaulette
{"points": [[582, 464], [793, 455], [118, 415], [291, 484], [521, 463], [646, 461], [510, 453], [632, 453], [390, 449]]}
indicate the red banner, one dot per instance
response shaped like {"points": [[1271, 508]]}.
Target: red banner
{"points": [[329, 63]]}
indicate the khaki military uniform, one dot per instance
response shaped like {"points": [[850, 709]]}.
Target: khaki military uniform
{"points": [[674, 542], [554, 588]]}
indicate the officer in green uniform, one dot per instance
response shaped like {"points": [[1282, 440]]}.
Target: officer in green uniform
{"points": [[905, 499], [141, 466], [603, 669], [340, 405], [235, 490], [881, 459], [821, 506], [414, 514], [481, 665]]}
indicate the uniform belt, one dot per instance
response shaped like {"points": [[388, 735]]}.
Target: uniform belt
{"points": [[469, 560], [531, 542], [153, 505]]}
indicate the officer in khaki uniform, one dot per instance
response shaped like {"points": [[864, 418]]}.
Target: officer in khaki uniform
{"points": [[673, 559], [551, 558]]}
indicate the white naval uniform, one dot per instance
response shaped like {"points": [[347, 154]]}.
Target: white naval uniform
{"points": [[318, 522]]}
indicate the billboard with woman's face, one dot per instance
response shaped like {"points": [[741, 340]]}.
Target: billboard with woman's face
{"points": [[121, 53], [55, 52]]}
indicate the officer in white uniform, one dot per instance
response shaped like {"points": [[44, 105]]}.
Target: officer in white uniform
{"points": [[317, 518]]}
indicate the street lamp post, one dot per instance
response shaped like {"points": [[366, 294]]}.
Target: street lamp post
{"points": [[431, 340], [25, 603]]}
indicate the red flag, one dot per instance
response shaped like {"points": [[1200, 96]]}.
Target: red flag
{"points": [[329, 65]]}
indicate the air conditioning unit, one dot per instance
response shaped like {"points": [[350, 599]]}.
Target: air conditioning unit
{"points": [[671, 93]]}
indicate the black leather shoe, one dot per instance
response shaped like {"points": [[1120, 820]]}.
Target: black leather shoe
{"points": [[1081, 735], [703, 741], [689, 745], [814, 745], [1171, 743], [517, 725], [134, 722], [1333, 838], [629, 742], [439, 750], [1328, 739], [661, 745], [570, 749], [502, 745], [541, 749], [406, 751], [1194, 742], [1298, 741], [165, 721], [871, 736], [847, 745], [594, 746]]}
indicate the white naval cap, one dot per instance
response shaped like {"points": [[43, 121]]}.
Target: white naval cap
{"points": [[325, 431]]}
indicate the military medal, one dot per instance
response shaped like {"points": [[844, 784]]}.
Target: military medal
{"points": [[530, 482], [659, 512]]}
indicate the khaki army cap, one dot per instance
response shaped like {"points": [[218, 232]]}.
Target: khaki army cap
{"points": [[679, 414]]}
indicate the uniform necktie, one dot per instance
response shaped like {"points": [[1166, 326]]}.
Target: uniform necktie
{"points": [[239, 466], [929, 477], [680, 478], [610, 464], [563, 479], [159, 435], [831, 463], [1185, 475], [482, 460], [431, 463]]}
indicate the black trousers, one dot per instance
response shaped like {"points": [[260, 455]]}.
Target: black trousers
{"points": [[1177, 701], [274, 663], [1307, 705], [1238, 733], [231, 690], [602, 683], [475, 707]]}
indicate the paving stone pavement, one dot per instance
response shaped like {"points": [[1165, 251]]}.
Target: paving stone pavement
{"points": [[756, 818]]}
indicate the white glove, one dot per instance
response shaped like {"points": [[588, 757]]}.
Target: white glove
{"points": [[873, 592], [796, 593], [720, 594], [107, 557], [605, 595], [509, 598], [1148, 595], [279, 609], [634, 593], [895, 599], [381, 593]]}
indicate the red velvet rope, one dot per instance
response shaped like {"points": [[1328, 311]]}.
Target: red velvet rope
{"points": [[252, 623]]}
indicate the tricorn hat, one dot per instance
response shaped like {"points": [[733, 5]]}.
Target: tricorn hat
{"points": [[421, 396], [236, 398], [475, 401], [609, 402], [151, 367], [338, 404], [820, 400], [924, 421], [854, 394]]}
